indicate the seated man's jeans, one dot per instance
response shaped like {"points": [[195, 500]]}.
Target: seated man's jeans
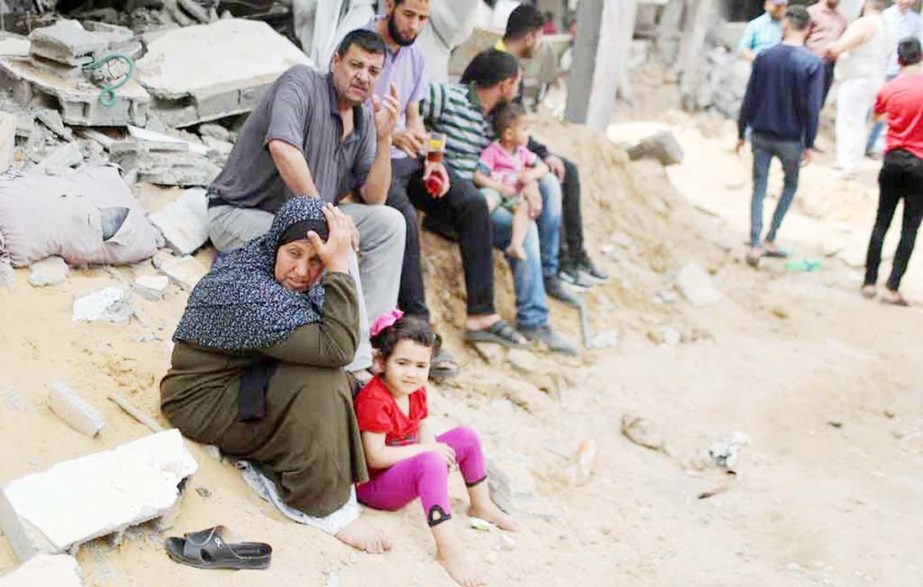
{"points": [[549, 223], [531, 302]]}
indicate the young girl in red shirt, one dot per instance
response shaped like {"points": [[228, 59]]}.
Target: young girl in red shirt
{"points": [[405, 459]]}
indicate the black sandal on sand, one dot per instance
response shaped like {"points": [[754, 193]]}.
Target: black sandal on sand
{"points": [[207, 549], [497, 333]]}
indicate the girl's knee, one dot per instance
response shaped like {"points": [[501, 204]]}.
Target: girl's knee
{"points": [[431, 463], [465, 436]]}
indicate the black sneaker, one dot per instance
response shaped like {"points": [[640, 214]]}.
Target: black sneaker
{"points": [[586, 267], [555, 288], [571, 275], [554, 341]]}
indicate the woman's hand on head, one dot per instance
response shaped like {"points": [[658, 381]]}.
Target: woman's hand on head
{"points": [[334, 253]]}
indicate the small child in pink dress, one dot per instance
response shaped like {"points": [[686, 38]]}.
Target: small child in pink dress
{"points": [[508, 174]]}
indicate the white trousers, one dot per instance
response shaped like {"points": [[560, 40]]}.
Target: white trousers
{"points": [[854, 98]]}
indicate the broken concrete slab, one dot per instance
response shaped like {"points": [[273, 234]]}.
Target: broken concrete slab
{"points": [[74, 410], [111, 304], [202, 73], [8, 124], [174, 169], [509, 481], [52, 120], [67, 42], [77, 98], [696, 286], [58, 159], [49, 271], [93, 496], [152, 287], [215, 131], [184, 271], [12, 45], [662, 146], [158, 141], [59, 570], [184, 223], [118, 39]]}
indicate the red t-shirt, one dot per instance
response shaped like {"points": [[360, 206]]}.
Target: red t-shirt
{"points": [[901, 99], [377, 412]]}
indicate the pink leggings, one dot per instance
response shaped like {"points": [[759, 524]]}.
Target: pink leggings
{"points": [[426, 476]]}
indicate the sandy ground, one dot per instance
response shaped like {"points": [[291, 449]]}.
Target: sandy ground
{"points": [[824, 383]]}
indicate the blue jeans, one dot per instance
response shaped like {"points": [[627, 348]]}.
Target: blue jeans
{"points": [[549, 223], [789, 153], [531, 303], [878, 126]]}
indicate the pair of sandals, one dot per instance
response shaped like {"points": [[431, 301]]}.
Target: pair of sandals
{"points": [[218, 548], [497, 333], [895, 298]]}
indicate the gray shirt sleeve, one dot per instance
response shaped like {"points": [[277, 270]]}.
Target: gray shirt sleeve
{"points": [[291, 109], [365, 154]]}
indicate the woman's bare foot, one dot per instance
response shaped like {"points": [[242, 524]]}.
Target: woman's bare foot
{"points": [[493, 514], [363, 536], [516, 252], [451, 556]]}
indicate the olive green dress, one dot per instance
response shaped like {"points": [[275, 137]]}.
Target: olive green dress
{"points": [[308, 442]]}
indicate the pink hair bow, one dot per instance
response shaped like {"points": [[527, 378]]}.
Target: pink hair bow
{"points": [[385, 321]]}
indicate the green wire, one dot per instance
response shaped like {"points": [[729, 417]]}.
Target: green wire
{"points": [[107, 95]]}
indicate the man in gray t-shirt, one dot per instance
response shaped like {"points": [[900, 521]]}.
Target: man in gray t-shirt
{"points": [[312, 135]]}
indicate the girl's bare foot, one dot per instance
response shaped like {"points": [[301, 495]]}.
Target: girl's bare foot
{"points": [[458, 567], [516, 252], [363, 536], [493, 514]]}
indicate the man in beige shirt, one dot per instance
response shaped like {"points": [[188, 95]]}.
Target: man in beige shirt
{"points": [[826, 27]]}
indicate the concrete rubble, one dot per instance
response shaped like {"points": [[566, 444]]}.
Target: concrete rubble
{"points": [[696, 285], [74, 410], [183, 271], [509, 481], [184, 223], [8, 124], [662, 146], [49, 271], [58, 570], [202, 73], [96, 495], [67, 42], [111, 304], [152, 287]]}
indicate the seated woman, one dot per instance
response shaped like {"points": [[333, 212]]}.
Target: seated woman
{"points": [[257, 369]]}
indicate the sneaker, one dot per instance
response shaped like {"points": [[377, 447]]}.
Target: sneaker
{"points": [[554, 287], [571, 275], [555, 342], [586, 267]]}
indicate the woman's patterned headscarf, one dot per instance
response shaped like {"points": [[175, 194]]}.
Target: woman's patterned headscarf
{"points": [[239, 305]]}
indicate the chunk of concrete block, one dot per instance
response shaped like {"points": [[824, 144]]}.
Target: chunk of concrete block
{"points": [[110, 304], [184, 223], [202, 73], [509, 482], [184, 271], [57, 570], [52, 120], [93, 496], [181, 169], [215, 131], [49, 271], [696, 285], [662, 146], [58, 159], [152, 287], [71, 408], [77, 99], [67, 42], [8, 124]]}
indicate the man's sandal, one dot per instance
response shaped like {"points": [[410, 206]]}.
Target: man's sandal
{"points": [[497, 333], [207, 549]]}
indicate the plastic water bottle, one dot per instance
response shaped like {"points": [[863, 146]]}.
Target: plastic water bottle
{"points": [[802, 265]]}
